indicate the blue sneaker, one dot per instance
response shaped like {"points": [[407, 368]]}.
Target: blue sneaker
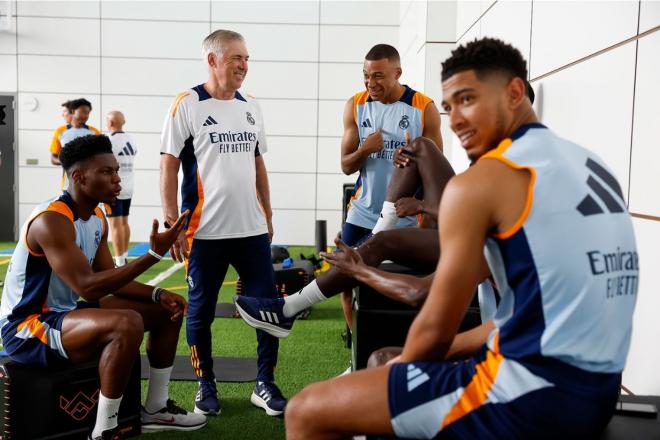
{"points": [[266, 395], [206, 401], [264, 314]]}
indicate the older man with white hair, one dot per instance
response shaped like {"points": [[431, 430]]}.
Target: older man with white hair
{"points": [[216, 135]]}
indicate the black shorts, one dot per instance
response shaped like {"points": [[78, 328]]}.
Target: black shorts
{"points": [[119, 209]]}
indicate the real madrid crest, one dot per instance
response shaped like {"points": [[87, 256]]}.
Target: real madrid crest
{"points": [[250, 119], [404, 122]]}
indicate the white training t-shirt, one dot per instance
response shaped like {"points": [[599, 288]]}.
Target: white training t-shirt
{"points": [[217, 142], [124, 149]]}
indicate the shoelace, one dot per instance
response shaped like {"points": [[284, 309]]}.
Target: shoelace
{"points": [[173, 408], [271, 391]]}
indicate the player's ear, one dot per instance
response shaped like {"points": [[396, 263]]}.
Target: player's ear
{"points": [[211, 59], [398, 72], [76, 175], [516, 91]]}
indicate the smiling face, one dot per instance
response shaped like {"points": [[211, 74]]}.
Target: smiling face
{"points": [[479, 110], [231, 67], [381, 78]]}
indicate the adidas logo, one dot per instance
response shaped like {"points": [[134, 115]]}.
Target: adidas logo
{"points": [[610, 194], [415, 377], [268, 316], [366, 123], [127, 151], [209, 121]]}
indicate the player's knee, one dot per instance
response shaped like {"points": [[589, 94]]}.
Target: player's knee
{"points": [[378, 358], [300, 409], [129, 327], [422, 145]]}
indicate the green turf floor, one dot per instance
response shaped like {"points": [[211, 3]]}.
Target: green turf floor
{"points": [[313, 352]]}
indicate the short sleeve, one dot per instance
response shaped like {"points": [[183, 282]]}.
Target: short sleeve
{"points": [[261, 136], [176, 127]]}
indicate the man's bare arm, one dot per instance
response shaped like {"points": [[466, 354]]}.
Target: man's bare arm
{"points": [[54, 235], [263, 193], [432, 125], [352, 157], [169, 186]]}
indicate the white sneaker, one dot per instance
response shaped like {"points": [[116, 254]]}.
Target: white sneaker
{"points": [[347, 371], [171, 418]]}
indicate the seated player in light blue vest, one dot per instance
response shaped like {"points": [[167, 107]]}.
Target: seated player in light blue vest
{"points": [[551, 220]]}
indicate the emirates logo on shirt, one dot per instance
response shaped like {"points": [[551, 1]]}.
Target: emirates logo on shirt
{"points": [[250, 119]]}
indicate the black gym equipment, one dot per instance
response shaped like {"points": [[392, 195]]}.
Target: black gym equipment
{"points": [[226, 369], [59, 403]]}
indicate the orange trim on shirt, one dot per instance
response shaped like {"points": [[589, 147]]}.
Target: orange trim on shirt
{"points": [[420, 101], [94, 129], [359, 99], [56, 206], [35, 327], [355, 196], [55, 145], [196, 216], [99, 213], [498, 154], [177, 102], [475, 393]]}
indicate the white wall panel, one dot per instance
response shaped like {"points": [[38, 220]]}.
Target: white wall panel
{"points": [[266, 11], [414, 69], [646, 144], [435, 54], [151, 77], [330, 118], [333, 224], [145, 113], [45, 36], [65, 9], [277, 42], [511, 22], [472, 34], [330, 156], [146, 188], [446, 134], [49, 180], [8, 81], [329, 194], [351, 43], [340, 81], [140, 220], [467, 13], [48, 114], [148, 145], [457, 156], [34, 145], [8, 39], [292, 191], [441, 21], [649, 15], [293, 227], [291, 154], [412, 29], [591, 105], [641, 372], [282, 80], [156, 10], [24, 211], [352, 12], [65, 74], [291, 117], [153, 39], [586, 27]]}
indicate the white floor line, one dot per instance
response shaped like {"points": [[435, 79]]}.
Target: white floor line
{"points": [[165, 274]]}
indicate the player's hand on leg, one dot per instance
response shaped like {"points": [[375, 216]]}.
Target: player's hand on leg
{"points": [[161, 242], [175, 304], [406, 206], [349, 261]]}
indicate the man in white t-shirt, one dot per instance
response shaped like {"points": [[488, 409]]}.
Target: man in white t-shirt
{"points": [[124, 148], [215, 134]]}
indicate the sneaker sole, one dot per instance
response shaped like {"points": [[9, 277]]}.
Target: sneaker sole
{"points": [[271, 329], [207, 413], [156, 427], [261, 403]]}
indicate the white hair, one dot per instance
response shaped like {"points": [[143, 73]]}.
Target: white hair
{"points": [[215, 43]]}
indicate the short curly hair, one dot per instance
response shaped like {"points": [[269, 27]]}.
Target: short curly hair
{"points": [[485, 56], [83, 148]]}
